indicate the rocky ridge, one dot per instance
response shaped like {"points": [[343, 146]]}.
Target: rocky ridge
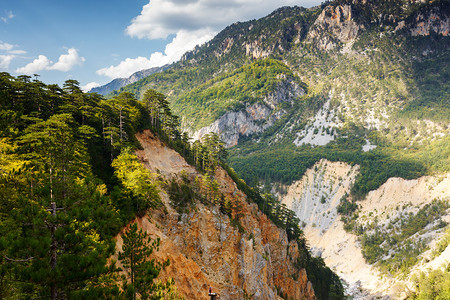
{"points": [[206, 250], [434, 20]]}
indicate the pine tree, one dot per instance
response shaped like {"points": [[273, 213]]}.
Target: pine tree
{"points": [[138, 180], [47, 239], [142, 272]]}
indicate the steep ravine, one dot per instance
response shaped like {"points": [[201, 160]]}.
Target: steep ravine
{"points": [[315, 198], [206, 250]]}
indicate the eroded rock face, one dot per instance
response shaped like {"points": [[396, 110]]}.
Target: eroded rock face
{"points": [[433, 21], [254, 118], [225, 46], [255, 50], [205, 249], [333, 26], [315, 199]]}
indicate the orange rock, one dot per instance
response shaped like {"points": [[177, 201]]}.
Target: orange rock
{"points": [[205, 249]]}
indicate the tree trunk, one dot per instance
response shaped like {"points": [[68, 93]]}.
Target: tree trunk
{"points": [[53, 258]]}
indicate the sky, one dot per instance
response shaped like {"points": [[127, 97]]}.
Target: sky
{"points": [[95, 41]]}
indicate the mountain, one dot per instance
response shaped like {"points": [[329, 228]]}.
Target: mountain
{"points": [[117, 204], [120, 82], [360, 83], [400, 228], [343, 78]]}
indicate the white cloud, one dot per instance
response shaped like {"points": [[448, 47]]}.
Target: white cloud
{"points": [[17, 52], [10, 48], [160, 18], [5, 60], [9, 16], [192, 22], [9, 54], [128, 67], [183, 41], [65, 63], [39, 64], [90, 86], [6, 46]]}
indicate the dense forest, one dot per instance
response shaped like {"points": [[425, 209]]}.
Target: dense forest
{"points": [[70, 182], [63, 197]]}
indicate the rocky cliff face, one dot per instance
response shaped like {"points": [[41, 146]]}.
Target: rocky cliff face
{"points": [[256, 117], [315, 198], [435, 20], [205, 249], [337, 24], [334, 25]]}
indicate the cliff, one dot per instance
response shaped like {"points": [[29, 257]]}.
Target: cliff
{"points": [[315, 199], [256, 117], [205, 249], [334, 25]]}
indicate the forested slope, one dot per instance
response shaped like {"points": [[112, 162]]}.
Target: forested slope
{"points": [[71, 182], [382, 66]]}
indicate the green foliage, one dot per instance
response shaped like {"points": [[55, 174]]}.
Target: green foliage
{"points": [[327, 284], [136, 250], [433, 88], [232, 91], [396, 250], [52, 251], [346, 207], [434, 284], [57, 216], [138, 180], [182, 193], [443, 243], [284, 162]]}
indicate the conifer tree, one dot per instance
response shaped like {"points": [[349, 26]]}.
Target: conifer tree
{"points": [[48, 240], [137, 247], [138, 180]]}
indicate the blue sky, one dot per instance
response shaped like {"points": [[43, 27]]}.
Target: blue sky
{"points": [[95, 41]]}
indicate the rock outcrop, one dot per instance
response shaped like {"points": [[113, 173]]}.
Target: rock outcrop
{"points": [[256, 117], [255, 50], [205, 249], [435, 20], [335, 25]]}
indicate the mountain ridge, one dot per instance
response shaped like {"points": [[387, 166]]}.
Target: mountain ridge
{"points": [[374, 81], [118, 83]]}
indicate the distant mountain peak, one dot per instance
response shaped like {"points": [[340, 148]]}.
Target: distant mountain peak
{"points": [[121, 82]]}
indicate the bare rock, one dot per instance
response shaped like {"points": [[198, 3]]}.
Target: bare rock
{"points": [[333, 26], [254, 118]]}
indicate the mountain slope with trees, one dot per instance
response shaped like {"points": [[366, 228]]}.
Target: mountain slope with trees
{"points": [[383, 66], [375, 76], [71, 182]]}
